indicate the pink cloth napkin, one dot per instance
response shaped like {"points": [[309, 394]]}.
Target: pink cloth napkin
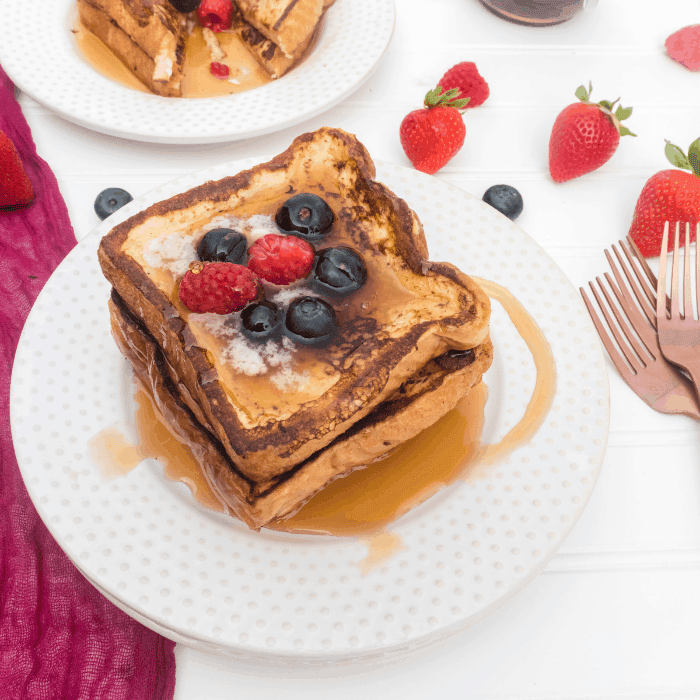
{"points": [[60, 639]]}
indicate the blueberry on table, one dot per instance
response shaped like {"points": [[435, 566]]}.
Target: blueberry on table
{"points": [[110, 200], [505, 199], [261, 321], [339, 270], [311, 321], [305, 215], [185, 5], [223, 245]]}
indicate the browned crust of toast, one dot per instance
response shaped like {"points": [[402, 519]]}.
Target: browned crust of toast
{"points": [[140, 34], [415, 406], [264, 452]]}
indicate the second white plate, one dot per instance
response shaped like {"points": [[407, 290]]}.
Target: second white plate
{"points": [[353, 37]]}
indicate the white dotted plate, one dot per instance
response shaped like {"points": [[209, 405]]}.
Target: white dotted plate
{"points": [[206, 580], [353, 37]]}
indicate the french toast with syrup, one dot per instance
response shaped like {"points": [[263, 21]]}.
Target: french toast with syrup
{"points": [[277, 407], [148, 37]]}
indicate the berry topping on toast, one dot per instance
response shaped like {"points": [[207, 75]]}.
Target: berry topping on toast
{"points": [[218, 287], [223, 245], [311, 321], [281, 259], [216, 15], [306, 216], [262, 321], [339, 270]]}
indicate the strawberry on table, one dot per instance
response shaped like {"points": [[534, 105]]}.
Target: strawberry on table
{"points": [[433, 135], [585, 135], [16, 190], [465, 77], [669, 195], [683, 47]]}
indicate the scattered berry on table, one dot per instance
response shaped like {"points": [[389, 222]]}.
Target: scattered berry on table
{"points": [[219, 70], [585, 135], [505, 199], [683, 47], [16, 189], [339, 270], [215, 14], [185, 6], [217, 287], [262, 321], [311, 321], [305, 215], [432, 136], [223, 245], [110, 200], [281, 259], [465, 77], [669, 195]]}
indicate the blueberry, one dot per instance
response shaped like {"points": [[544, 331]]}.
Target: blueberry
{"points": [[261, 321], [311, 321], [505, 199], [339, 270], [109, 200], [185, 5], [306, 216], [223, 245]]}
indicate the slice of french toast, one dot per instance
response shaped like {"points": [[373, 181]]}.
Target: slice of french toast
{"points": [[274, 405], [417, 404], [148, 37], [289, 24]]}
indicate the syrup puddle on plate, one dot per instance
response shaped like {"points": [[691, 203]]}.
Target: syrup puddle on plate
{"points": [[365, 502]]}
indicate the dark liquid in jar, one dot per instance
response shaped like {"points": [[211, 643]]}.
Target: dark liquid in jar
{"points": [[537, 12]]}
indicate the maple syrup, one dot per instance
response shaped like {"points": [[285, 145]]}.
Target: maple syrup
{"points": [[364, 503], [197, 79]]}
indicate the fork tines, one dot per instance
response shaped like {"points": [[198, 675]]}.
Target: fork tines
{"points": [[687, 294]]}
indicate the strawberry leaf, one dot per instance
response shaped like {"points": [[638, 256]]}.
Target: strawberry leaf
{"points": [[624, 131], [676, 156], [694, 156], [582, 93], [623, 112], [607, 104]]}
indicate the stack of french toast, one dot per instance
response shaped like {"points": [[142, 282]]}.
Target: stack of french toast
{"points": [[273, 421], [149, 36]]}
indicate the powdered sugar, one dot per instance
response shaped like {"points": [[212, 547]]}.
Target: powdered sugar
{"points": [[173, 252]]}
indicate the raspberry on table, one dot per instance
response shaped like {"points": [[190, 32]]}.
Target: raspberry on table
{"points": [[281, 259], [466, 78], [219, 287]]}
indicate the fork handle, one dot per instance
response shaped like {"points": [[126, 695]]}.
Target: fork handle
{"points": [[693, 369]]}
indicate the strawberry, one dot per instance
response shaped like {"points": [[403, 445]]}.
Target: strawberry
{"points": [[16, 190], [217, 287], [670, 195], [466, 79], [584, 136], [432, 136], [215, 14], [683, 46]]}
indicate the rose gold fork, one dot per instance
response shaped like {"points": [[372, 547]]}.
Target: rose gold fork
{"points": [[631, 339], [679, 334]]}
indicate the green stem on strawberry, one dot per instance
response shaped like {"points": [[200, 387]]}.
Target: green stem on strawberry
{"points": [[437, 98], [690, 162], [616, 117]]}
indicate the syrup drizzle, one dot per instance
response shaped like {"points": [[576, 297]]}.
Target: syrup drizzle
{"points": [[364, 503]]}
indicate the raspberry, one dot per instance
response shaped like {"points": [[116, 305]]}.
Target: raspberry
{"points": [[465, 77], [219, 70], [215, 14], [220, 288], [281, 259]]}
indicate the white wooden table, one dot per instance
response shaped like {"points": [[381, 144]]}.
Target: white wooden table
{"points": [[617, 611]]}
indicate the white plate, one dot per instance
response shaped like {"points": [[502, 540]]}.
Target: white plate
{"points": [[353, 37], [208, 581]]}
